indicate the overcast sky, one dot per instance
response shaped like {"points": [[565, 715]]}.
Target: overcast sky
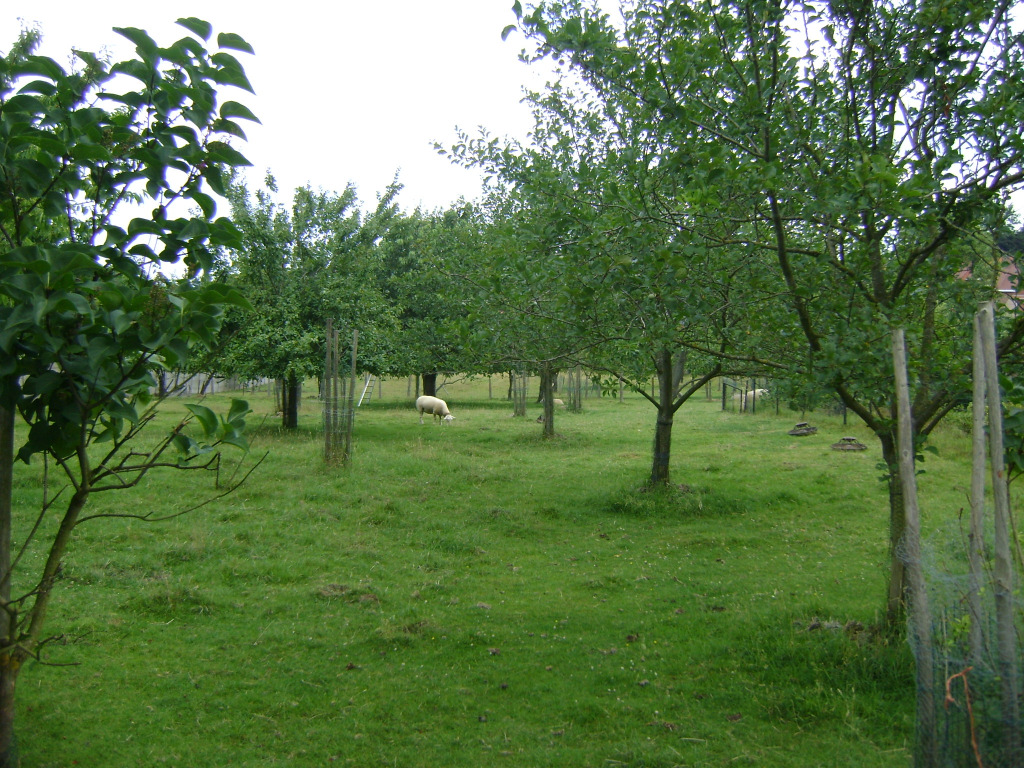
{"points": [[347, 91]]}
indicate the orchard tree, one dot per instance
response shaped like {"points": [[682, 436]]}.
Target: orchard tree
{"points": [[876, 142], [591, 253], [515, 319], [96, 166], [422, 256], [299, 267]]}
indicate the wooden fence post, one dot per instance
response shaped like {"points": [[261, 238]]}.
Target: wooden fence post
{"points": [[976, 531], [1006, 634], [920, 616]]}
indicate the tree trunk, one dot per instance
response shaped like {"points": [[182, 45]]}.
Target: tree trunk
{"points": [[678, 371], [430, 384], [21, 642], [896, 598], [666, 413], [9, 757], [285, 402], [548, 397], [8, 666], [548, 381], [290, 401]]}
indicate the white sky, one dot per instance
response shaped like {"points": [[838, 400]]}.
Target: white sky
{"points": [[346, 90]]}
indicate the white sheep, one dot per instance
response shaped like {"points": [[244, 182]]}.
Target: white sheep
{"points": [[435, 406], [744, 397]]}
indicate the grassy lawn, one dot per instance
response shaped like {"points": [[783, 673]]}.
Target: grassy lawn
{"points": [[473, 595]]}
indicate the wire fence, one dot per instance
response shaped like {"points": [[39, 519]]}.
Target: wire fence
{"points": [[966, 621]]}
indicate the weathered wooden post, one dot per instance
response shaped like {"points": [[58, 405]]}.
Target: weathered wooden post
{"points": [[518, 385], [350, 410], [334, 419], [328, 394], [574, 390], [920, 616], [976, 531], [1002, 577], [547, 397]]}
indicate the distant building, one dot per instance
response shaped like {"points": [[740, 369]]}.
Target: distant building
{"points": [[1008, 283]]}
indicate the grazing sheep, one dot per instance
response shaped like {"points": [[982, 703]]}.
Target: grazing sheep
{"points": [[557, 402], [746, 397], [435, 406]]}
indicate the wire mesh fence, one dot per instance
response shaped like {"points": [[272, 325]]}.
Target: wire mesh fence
{"points": [[338, 399], [966, 622]]}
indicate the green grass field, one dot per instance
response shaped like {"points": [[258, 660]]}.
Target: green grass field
{"points": [[474, 595]]}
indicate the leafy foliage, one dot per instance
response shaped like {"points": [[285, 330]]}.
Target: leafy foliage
{"points": [[298, 267], [857, 154], [1013, 425], [86, 317], [424, 261], [97, 166]]}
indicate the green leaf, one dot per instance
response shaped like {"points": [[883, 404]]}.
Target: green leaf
{"points": [[99, 350], [236, 440], [38, 65], [230, 128], [106, 435], [119, 321], [143, 250], [215, 178], [185, 444], [91, 60], [144, 44], [42, 87], [123, 410], [231, 109], [133, 68], [198, 27], [222, 152], [207, 203], [234, 42], [42, 140], [206, 417], [230, 72], [239, 410], [80, 303], [24, 102], [184, 51], [86, 152]]}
